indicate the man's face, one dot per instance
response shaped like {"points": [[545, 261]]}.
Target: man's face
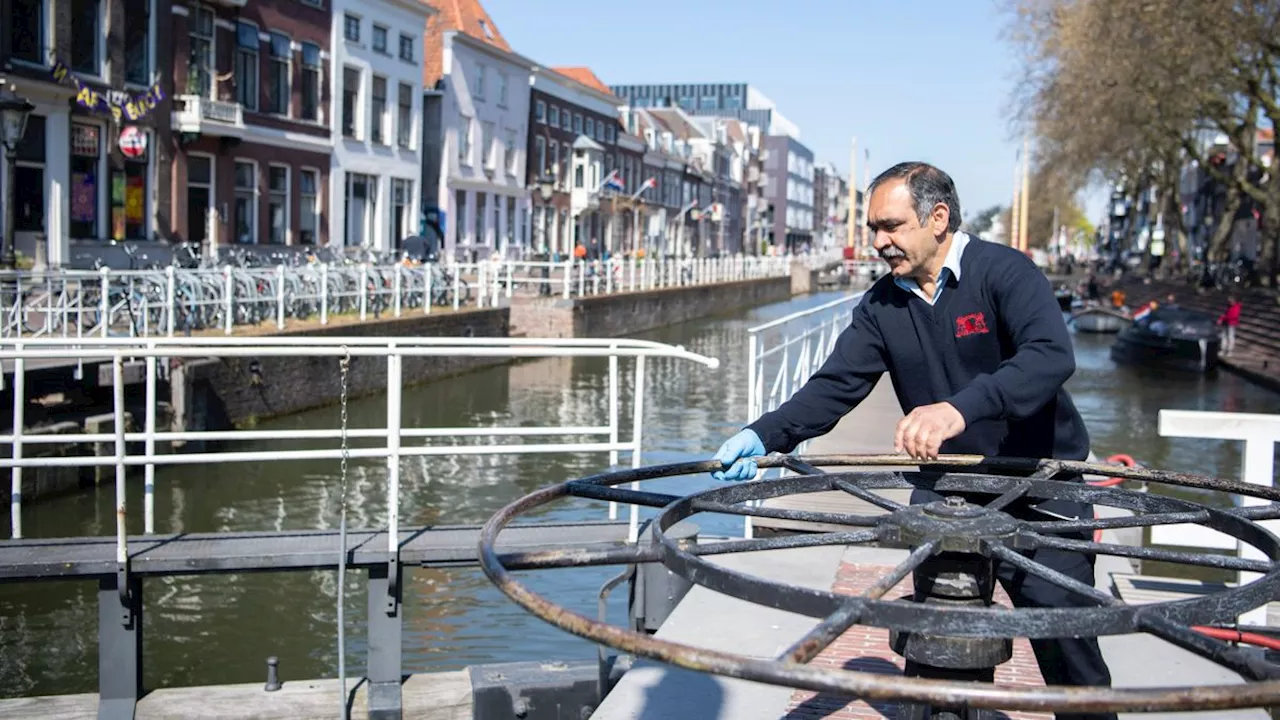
{"points": [[908, 247]]}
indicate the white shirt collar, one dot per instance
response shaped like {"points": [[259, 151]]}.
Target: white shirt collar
{"points": [[951, 263]]}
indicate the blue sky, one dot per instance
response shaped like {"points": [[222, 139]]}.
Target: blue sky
{"points": [[912, 79]]}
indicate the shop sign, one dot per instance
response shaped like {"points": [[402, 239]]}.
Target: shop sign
{"points": [[122, 106]]}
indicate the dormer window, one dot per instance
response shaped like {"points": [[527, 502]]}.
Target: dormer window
{"points": [[484, 26]]}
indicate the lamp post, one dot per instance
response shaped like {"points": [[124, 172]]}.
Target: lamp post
{"points": [[545, 187], [13, 123]]}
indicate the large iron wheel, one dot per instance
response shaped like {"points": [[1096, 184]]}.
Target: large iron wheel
{"points": [[954, 526]]}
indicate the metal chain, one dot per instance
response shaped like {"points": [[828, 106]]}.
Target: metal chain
{"points": [[344, 368]]}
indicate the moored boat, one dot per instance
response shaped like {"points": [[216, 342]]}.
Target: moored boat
{"points": [[1170, 338], [1100, 320]]}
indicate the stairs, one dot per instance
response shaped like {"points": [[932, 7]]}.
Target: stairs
{"points": [[1257, 353]]}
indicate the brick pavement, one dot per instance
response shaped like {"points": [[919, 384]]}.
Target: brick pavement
{"points": [[866, 649]]}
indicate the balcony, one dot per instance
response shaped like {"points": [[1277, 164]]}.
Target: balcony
{"points": [[197, 114]]}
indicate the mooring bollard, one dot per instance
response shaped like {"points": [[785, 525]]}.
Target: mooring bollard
{"points": [[273, 674]]}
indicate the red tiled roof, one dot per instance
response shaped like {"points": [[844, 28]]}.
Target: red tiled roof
{"points": [[1266, 134], [466, 16], [585, 76]]}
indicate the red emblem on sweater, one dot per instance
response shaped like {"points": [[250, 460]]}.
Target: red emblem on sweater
{"points": [[971, 324]]}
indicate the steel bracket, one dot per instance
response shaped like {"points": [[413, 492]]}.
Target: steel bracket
{"points": [[119, 645], [385, 622]]}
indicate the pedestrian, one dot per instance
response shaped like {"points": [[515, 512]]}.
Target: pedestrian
{"points": [[1229, 320], [978, 351]]}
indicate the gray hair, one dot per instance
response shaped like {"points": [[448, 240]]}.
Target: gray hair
{"points": [[928, 186]]}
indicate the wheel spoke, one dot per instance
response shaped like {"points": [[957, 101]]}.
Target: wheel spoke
{"points": [[632, 554], [1249, 665], [797, 465], [650, 499], [1004, 554], [1145, 553], [868, 496], [1066, 526], [834, 625], [1046, 471], [1009, 496]]}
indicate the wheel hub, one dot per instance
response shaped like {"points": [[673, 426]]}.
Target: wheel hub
{"points": [[958, 526]]}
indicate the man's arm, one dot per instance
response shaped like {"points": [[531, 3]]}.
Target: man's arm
{"points": [[1043, 356], [842, 382]]}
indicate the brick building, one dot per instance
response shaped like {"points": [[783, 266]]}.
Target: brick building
{"points": [[90, 69], [252, 122]]}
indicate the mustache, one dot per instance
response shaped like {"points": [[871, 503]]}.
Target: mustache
{"points": [[891, 252]]}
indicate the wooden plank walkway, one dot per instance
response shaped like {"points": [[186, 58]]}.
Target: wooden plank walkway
{"points": [[187, 554]]}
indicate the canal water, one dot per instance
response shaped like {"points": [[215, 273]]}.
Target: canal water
{"points": [[220, 629]]}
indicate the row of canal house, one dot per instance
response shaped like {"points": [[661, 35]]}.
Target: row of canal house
{"points": [[284, 123], [268, 123]]}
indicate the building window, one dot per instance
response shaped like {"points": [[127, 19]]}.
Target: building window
{"points": [[247, 65], [86, 36], [540, 155], [477, 93], [278, 204], [406, 47], [577, 123], [509, 151], [199, 197], [379, 38], [129, 216], [591, 127], [310, 81], [488, 144], [362, 200], [460, 212], [404, 121], [502, 90], [86, 185], [246, 208], [351, 27], [137, 41], [481, 209], [511, 221], [401, 220], [379, 108], [308, 206], [464, 139], [540, 111], [278, 91], [554, 118], [577, 175], [26, 30], [28, 191], [200, 61], [350, 97]]}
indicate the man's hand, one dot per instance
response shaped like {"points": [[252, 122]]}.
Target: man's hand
{"points": [[736, 454], [921, 433]]}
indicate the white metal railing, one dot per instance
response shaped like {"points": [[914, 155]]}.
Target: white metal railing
{"points": [[120, 350], [1260, 434], [173, 300], [782, 354]]}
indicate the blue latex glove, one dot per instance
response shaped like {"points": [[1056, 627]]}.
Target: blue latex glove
{"points": [[738, 453]]}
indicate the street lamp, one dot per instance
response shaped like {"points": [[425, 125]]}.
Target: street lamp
{"points": [[13, 123], [545, 186]]}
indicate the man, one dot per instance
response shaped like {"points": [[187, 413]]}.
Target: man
{"points": [[977, 350]]}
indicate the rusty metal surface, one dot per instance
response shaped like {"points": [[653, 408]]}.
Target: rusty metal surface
{"points": [[1016, 482]]}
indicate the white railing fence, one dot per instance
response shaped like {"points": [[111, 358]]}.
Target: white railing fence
{"points": [[155, 352], [782, 354], [177, 301]]}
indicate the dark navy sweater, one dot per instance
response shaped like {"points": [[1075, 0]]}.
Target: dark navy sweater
{"points": [[994, 345]]}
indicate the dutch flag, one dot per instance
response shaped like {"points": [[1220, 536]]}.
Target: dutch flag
{"points": [[613, 182], [1145, 311]]}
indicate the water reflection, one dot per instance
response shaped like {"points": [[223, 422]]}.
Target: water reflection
{"points": [[220, 629]]}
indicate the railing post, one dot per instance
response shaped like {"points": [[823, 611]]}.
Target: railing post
{"points": [[384, 582], [457, 287], [637, 425], [324, 294], [613, 420], [104, 302], [170, 293], [19, 425], [427, 297], [149, 470], [280, 297], [568, 276], [228, 299], [397, 284], [364, 291]]}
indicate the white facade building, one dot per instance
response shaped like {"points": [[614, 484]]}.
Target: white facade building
{"points": [[377, 130], [485, 116]]}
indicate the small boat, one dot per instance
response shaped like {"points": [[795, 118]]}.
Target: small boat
{"points": [[1170, 338], [1098, 319]]}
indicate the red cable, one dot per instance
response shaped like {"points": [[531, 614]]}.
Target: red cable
{"points": [[1110, 482], [1247, 638]]}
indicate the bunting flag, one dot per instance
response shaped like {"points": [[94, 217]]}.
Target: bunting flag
{"points": [[121, 105]]}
